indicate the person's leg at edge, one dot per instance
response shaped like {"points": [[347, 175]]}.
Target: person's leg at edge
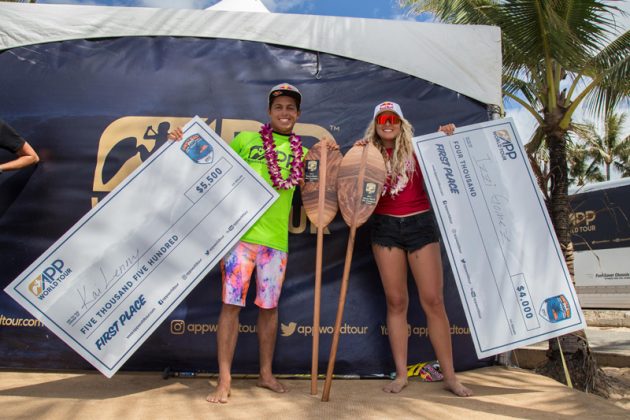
{"points": [[426, 266], [392, 267], [227, 335]]}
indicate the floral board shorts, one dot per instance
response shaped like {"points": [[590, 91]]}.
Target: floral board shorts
{"points": [[238, 266]]}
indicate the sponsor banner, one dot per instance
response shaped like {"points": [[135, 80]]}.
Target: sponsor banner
{"points": [[19, 322], [603, 267], [509, 269], [96, 110], [601, 236], [600, 217]]}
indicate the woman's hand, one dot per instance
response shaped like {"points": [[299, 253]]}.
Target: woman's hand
{"points": [[362, 142], [330, 144], [447, 129], [176, 134]]}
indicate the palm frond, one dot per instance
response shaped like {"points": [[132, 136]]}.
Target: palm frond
{"points": [[536, 141], [610, 71], [461, 12]]}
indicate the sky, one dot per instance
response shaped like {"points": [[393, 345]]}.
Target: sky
{"points": [[380, 9]]}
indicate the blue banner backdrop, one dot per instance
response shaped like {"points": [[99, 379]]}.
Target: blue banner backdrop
{"points": [[94, 110]]}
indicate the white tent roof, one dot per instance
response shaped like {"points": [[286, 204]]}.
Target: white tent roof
{"points": [[466, 59], [240, 6]]}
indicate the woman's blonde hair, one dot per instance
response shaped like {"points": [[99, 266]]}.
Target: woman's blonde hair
{"points": [[401, 164]]}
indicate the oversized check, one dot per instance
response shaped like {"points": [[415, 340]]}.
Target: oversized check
{"points": [[110, 281], [511, 276]]}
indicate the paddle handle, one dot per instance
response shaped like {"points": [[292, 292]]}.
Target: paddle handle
{"points": [[321, 198], [340, 307], [346, 275], [316, 310]]}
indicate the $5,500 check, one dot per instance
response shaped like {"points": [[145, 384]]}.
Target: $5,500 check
{"points": [[113, 277]]}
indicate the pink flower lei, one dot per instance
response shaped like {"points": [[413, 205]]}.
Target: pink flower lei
{"points": [[271, 155], [394, 188]]}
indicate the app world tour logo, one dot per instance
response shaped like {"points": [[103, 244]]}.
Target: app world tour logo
{"points": [[505, 144], [49, 279]]}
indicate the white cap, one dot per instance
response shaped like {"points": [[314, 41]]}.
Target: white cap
{"points": [[285, 89], [388, 106]]}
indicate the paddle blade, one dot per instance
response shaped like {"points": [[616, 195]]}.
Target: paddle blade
{"points": [[316, 170], [360, 183]]}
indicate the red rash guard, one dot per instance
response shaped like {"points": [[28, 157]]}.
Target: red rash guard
{"points": [[412, 199]]}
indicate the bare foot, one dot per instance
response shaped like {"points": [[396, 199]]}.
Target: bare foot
{"points": [[456, 387], [396, 385], [272, 384], [220, 394]]}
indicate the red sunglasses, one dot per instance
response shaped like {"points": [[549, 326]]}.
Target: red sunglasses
{"points": [[382, 119]]}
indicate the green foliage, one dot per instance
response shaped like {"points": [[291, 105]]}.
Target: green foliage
{"points": [[607, 149], [556, 53]]}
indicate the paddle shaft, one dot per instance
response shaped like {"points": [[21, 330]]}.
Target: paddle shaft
{"points": [[345, 278], [318, 266], [340, 307]]}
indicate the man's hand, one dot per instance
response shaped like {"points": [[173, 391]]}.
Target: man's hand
{"points": [[176, 134]]}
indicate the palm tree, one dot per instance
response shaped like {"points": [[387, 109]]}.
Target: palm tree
{"points": [[557, 56], [607, 149], [581, 171]]}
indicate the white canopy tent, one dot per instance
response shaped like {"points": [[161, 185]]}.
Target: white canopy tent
{"points": [[240, 6], [466, 59]]}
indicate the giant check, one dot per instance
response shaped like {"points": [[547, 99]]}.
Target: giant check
{"points": [[508, 266], [110, 281]]}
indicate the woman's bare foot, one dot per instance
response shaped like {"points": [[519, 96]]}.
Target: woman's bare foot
{"points": [[271, 383], [456, 387], [220, 394], [396, 385]]}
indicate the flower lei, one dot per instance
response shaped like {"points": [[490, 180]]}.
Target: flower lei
{"points": [[391, 188], [271, 155]]}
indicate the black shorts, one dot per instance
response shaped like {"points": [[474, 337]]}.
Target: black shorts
{"points": [[409, 233]]}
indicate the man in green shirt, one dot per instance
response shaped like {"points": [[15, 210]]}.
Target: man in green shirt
{"points": [[277, 155]]}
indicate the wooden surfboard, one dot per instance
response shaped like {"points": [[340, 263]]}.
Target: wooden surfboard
{"points": [[319, 197], [359, 185]]}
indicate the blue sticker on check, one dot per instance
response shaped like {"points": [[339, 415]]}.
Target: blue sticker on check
{"points": [[198, 149]]}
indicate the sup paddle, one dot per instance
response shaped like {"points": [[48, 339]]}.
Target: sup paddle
{"points": [[319, 196], [359, 185]]}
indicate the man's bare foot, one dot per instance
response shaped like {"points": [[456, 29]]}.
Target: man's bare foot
{"points": [[396, 385], [456, 387], [220, 394], [271, 383]]}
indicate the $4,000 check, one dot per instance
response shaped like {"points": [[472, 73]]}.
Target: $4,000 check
{"points": [[511, 276], [110, 281]]}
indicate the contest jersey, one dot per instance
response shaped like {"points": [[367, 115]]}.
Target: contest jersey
{"points": [[272, 229]]}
